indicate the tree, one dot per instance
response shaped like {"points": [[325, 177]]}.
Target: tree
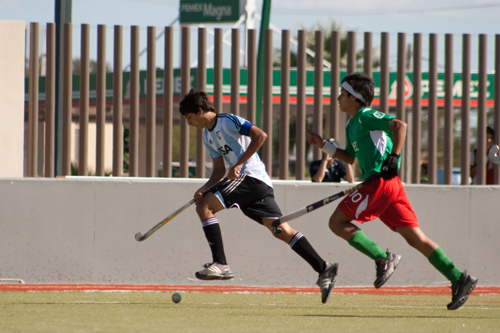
{"points": [[311, 41], [92, 67]]}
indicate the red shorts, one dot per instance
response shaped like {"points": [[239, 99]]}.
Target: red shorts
{"points": [[385, 199]]}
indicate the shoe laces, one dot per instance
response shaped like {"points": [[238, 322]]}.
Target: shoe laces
{"points": [[456, 286], [217, 266], [382, 265]]}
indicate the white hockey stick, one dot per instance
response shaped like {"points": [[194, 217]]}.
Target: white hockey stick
{"points": [[493, 154], [140, 237]]}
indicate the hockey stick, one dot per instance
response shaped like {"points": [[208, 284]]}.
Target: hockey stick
{"points": [[493, 154], [318, 204], [140, 237]]}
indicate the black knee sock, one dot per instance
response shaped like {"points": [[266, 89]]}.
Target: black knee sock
{"points": [[214, 238], [304, 249]]}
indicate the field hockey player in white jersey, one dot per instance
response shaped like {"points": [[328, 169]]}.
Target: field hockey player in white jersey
{"points": [[233, 140], [375, 139]]}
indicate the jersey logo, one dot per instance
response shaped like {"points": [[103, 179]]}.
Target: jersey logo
{"points": [[354, 146], [218, 135], [224, 150], [378, 114], [362, 206]]}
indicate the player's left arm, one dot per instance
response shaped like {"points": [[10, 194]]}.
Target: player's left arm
{"points": [[218, 172], [390, 166], [398, 129], [258, 137]]}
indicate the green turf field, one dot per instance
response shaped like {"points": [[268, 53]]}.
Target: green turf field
{"points": [[237, 312]]}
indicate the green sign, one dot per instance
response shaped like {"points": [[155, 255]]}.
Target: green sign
{"points": [[226, 85], [211, 11]]}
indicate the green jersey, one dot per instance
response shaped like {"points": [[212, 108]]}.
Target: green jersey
{"points": [[369, 139]]}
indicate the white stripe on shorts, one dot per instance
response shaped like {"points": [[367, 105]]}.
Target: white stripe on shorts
{"points": [[234, 184]]}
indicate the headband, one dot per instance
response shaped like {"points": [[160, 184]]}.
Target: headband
{"points": [[349, 89]]}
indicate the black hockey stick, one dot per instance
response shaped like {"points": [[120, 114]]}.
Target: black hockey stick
{"points": [[140, 237], [318, 204]]}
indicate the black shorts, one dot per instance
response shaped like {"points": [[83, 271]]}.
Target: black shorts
{"points": [[254, 197]]}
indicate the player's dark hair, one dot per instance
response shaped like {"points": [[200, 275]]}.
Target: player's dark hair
{"points": [[363, 84], [489, 130], [195, 100]]}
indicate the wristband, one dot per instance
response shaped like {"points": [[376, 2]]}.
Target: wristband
{"points": [[329, 148]]}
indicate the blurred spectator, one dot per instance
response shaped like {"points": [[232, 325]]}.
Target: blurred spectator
{"points": [[423, 173], [489, 165], [330, 169]]}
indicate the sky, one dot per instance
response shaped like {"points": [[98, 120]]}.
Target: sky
{"points": [[424, 16]]}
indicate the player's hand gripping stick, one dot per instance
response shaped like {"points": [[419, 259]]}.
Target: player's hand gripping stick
{"points": [[140, 237]]}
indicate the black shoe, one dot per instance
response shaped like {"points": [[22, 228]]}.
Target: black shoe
{"points": [[326, 281], [385, 268], [460, 290]]}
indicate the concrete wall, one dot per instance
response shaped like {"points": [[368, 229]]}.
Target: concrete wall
{"points": [[81, 230], [12, 36]]}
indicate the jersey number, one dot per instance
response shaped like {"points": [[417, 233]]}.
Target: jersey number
{"points": [[356, 196]]}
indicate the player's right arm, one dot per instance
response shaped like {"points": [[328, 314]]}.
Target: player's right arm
{"points": [[317, 141], [344, 156]]}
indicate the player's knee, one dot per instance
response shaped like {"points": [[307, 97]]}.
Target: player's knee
{"points": [[335, 225], [282, 236], [414, 237], [286, 233], [203, 209]]}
